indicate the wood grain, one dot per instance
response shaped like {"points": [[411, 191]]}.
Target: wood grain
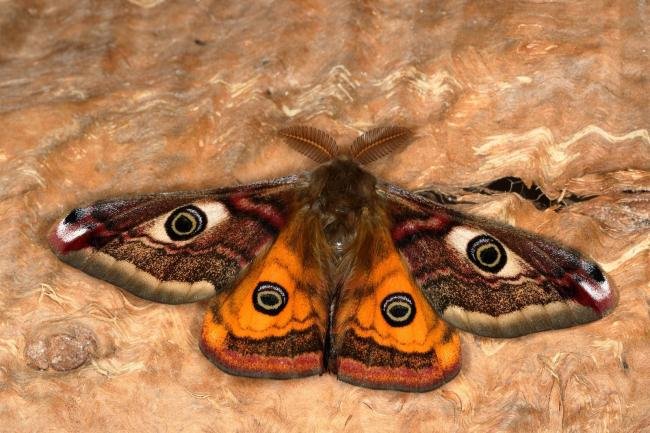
{"points": [[104, 99]]}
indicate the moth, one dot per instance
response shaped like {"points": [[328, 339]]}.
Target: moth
{"points": [[334, 269]]}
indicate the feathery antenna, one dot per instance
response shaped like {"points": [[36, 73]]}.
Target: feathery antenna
{"points": [[311, 142], [379, 142]]}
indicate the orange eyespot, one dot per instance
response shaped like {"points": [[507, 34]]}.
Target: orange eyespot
{"points": [[269, 298], [398, 309]]}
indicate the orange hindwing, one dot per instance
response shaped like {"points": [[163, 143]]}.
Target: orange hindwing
{"points": [[386, 335], [273, 323]]}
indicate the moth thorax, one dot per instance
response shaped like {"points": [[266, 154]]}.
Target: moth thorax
{"points": [[340, 191], [342, 186], [340, 234]]}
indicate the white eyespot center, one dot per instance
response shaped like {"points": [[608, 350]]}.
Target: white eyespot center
{"points": [[269, 299], [399, 311]]}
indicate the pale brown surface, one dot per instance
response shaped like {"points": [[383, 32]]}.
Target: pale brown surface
{"points": [[102, 99]]}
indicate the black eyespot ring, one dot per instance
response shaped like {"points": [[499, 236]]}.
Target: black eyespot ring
{"points": [[269, 298], [185, 223], [398, 309], [487, 253]]}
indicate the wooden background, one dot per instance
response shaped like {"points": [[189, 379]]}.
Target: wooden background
{"points": [[103, 99]]}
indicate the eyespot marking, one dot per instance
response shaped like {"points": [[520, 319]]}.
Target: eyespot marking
{"points": [[269, 298], [398, 309], [185, 223], [487, 253]]}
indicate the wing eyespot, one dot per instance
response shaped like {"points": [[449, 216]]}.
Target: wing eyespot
{"points": [[398, 309], [487, 253], [185, 223], [270, 298]]}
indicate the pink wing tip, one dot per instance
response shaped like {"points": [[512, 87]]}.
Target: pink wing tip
{"points": [[594, 289], [76, 231]]}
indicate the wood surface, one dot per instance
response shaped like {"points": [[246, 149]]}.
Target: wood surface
{"points": [[105, 99]]}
